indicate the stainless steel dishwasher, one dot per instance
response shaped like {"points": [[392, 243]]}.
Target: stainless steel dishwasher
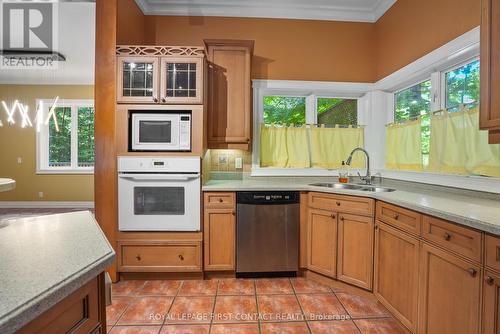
{"points": [[267, 229]]}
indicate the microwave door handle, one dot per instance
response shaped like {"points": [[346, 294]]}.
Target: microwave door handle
{"points": [[160, 177]]}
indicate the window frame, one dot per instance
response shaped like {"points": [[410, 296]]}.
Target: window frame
{"points": [[42, 138], [311, 90]]}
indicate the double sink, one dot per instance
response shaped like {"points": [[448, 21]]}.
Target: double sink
{"points": [[349, 186]]}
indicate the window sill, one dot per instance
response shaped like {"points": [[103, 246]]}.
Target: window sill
{"points": [[478, 183], [271, 171], [65, 171]]}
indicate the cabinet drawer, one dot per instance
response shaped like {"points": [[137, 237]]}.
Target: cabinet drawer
{"points": [[403, 219], [159, 256], [492, 250], [339, 203], [462, 240], [219, 200]]}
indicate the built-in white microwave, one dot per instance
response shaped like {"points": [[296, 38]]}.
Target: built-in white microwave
{"points": [[159, 131]]}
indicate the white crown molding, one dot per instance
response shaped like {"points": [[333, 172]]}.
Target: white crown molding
{"points": [[46, 205], [266, 9]]}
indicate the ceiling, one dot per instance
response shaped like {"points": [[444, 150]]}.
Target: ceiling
{"points": [[333, 10], [76, 41]]}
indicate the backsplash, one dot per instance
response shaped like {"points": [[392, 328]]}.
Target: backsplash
{"points": [[221, 164]]}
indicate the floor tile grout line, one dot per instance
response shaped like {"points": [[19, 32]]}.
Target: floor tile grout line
{"points": [[259, 322], [171, 305], [213, 308], [300, 305]]}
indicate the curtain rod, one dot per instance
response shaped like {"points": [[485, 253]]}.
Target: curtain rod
{"points": [[330, 126]]}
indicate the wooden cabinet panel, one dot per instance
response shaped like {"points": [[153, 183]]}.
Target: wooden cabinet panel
{"points": [[229, 100], [219, 200], [340, 203], [137, 79], [396, 268], [464, 241], [82, 312], [304, 215], [450, 293], [159, 256], [219, 239], [407, 220], [491, 303], [490, 68], [492, 252], [322, 237], [355, 250]]}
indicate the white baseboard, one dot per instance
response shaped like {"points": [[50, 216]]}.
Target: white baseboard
{"points": [[46, 204]]}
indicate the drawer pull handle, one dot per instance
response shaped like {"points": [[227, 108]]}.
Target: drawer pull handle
{"points": [[332, 215], [490, 280], [338, 203], [396, 216], [181, 257], [138, 257], [472, 272], [447, 236], [221, 200]]}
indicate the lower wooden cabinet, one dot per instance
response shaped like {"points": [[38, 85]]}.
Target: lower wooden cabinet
{"points": [[219, 237], [355, 250], [491, 303], [322, 242], [450, 293], [396, 273]]}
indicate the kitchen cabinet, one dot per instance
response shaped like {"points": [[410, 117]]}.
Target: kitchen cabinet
{"points": [[489, 118], [449, 293], [396, 273], [491, 303], [304, 214], [492, 252], [322, 242], [355, 250], [160, 80], [229, 93], [219, 231], [403, 219]]}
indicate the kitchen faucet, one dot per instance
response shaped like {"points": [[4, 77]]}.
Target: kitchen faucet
{"points": [[368, 178]]}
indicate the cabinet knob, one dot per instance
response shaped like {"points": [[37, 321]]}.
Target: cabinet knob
{"points": [[447, 236], [396, 216], [332, 215], [164, 100], [248, 140], [490, 280], [138, 257], [221, 200], [376, 227], [472, 272], [155, 99], [233, 213], [181, 257], [338, 203], [342, 218]]}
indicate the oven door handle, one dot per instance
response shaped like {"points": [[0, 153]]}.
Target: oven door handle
{"points": [[162, 177]]}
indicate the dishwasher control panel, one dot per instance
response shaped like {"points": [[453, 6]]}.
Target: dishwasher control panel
{"points": [[267, 197]]}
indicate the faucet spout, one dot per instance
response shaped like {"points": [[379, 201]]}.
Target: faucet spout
{"points": [[367, 178]]}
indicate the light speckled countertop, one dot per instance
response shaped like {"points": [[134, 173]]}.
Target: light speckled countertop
{"points": [[477, 212], [7, 184], [43, 260]]}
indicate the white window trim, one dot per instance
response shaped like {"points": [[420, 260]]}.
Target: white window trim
{"points": [[311, 90], [42, 139]]}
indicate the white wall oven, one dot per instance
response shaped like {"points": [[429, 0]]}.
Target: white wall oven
{"points": [[159, 194], [160, 131]]}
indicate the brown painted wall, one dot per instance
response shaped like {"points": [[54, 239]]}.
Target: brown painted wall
{"points": [[284, 49], [17, 142], [412, 28], [131, 23]]}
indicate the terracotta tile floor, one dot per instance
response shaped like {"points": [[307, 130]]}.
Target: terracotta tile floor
{"points": [[243, 306]]}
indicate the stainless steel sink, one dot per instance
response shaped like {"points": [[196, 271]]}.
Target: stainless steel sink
{"points": [[349, 186]]}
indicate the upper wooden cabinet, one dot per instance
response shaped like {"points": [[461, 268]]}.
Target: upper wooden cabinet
{"points": [[229, 93], [160, 75], [490, 69]]}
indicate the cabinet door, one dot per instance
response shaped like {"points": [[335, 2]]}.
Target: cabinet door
{"points": [[355, 250], [229, 103], [137, 80], [181, 80], [449, 293], [491, 303], [395, 282], [219, 229], [322, 237]]}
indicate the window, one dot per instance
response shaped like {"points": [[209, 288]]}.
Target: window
{"points": [[66, 146], [337, 111], [284, 110], [462, 86], [414, 102]]}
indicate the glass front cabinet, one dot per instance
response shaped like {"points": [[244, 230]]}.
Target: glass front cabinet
{"points": [[162, 80]]}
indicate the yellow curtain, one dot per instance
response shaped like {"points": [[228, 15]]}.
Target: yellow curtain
{"points": [[331, 146], [458, 146], [284, 147], [403, 149]]}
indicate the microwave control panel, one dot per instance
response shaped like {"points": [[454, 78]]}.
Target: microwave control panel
{"points": [[185, 132]]}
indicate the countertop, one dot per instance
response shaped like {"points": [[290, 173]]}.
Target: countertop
{"points": [[478, 212], [7, 184], [43, 260]]}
